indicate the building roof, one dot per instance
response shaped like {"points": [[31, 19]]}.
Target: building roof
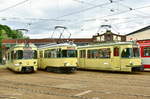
{"points": [[43, 41], [140, 30]]}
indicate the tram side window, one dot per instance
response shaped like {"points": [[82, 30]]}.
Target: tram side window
{"points": [[12, 55], [93, 53], [136, 52], [99, 53], [58, 52], [69, 53], [82, 53], [41, 54], [53, 53], [47, 54], [50, 53], [147, 51], [126, 53], [8, 56], [104, 53], [116, 51]]}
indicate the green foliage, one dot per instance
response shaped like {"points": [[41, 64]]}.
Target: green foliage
{"points": [[7, 33]]}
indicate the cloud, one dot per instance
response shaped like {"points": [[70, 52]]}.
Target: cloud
{"points": [[38, 16]]}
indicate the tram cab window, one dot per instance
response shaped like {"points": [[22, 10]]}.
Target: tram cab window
{"points": [[25, 54], [29, 54], [19, 54], [69, 53], [35, 54], [130, 52], [147, 51]]}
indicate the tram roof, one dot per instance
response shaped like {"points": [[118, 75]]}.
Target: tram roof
{"points": [[23, 45], [108, 44], [56, 45]]}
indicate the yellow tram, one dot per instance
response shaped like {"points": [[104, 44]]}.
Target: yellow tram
{"points": [[121, 56], [22, 58], [60, 58]]}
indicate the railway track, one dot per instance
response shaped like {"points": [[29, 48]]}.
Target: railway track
{"points": [[43, 85], [49, 90], [39, 89], [131, 82]]}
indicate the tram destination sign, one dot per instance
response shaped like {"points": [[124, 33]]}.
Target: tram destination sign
{"points": [[71, 48], [27, 48]]}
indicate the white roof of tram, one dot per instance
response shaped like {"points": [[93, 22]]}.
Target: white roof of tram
{"points": [[24, 44], [109, 44], [56, 45]]}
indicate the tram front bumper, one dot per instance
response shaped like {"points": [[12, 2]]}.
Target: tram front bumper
{"points": [[27, 69], [138, 68]]}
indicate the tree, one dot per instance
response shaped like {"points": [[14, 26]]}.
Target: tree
{"points": [[7, 33]]}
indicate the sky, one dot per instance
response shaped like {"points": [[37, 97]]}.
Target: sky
{"points": [[83, 18]]}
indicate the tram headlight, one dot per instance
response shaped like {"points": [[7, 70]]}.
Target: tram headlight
{"points": [[17, 64], [131, 63], [20, 63], [34, 62], [66, 64]]}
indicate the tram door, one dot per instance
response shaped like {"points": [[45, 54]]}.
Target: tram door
{"points": [[82, 57], [40, 59], [116, 65]]}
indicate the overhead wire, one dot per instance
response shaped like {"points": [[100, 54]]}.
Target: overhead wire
{"points": [[83, 2], [86, 9], [130, 8], [13, 6], [122, 12]]}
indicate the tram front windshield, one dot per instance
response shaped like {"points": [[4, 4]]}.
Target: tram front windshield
{"points": [[130, 52], [25, 54], [69, 53]]}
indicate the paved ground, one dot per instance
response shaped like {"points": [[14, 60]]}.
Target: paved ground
{"points": [[79, 85]]}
